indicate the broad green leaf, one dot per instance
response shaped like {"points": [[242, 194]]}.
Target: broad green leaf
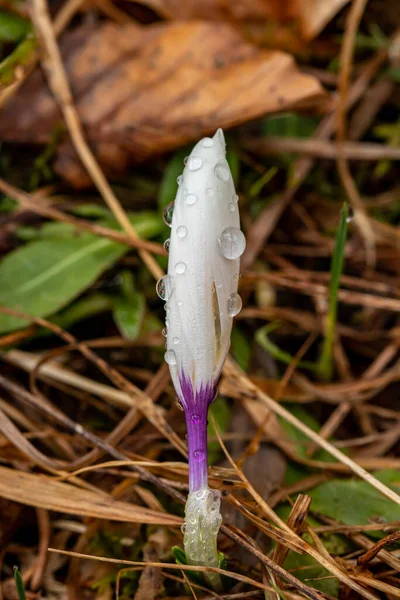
{"points": [[81, 309], [219, 410], [240, 348], [12, 27], [129, 308], [355, 502], [168, 185], [43, 276], [306, 568]]}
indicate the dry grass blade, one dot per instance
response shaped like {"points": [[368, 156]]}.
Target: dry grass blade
{"points": [[378, 547], [60, 86], [45, 492]]}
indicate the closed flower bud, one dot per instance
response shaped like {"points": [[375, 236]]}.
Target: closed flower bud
{"points": [[200, 290]]}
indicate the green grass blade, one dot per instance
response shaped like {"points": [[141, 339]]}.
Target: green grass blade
{"points": [[19, 584], [325, 367]]}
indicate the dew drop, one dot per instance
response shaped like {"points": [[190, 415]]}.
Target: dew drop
{"points": [[176, 340], [235, 198], [165, 332], [181, 231], [180, 268], [194, 163], [180, 303], [191, 199], [196, 418], [221, 170], [185, 160], [179, 179], [208, 142], [234, 305], [183, 528], [166, 245], [232, 207], [170, 357], [209, 192], [164, 288], [167, 214], [232, 243], [350, 215], [198, 455]]}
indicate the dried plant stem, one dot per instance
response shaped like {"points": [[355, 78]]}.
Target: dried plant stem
{"points": [[59, 84]]}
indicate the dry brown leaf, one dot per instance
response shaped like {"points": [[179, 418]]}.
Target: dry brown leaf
{"points": [[45, 492], [310, 16], [145, 90]]}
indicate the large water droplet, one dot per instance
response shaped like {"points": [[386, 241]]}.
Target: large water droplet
{"points": [[191, 199], [164, 287], [166, 245], [221, 170], [180, 268], [170, 357], [196, 418], [234, 305], [232, 243], [181, 231], [198, 455], [179, 179], [208, 142], [209, 192], [167, 213], [194, 163]]}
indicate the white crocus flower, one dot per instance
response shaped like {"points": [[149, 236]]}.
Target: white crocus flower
{"points": [[201, 294]]}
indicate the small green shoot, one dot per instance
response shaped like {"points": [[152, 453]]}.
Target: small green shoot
{"points": [[19, 584], [263, 340], [325, 366]]}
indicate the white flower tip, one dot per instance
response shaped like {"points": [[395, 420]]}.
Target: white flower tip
{"points": [[220, 138]]}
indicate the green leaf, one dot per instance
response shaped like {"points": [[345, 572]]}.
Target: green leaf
{"points": [[356, 502], [289, 125], [306, 568], [129, 308], [325, 366], [299, 439], [43, 276], [240, 348], [219, 410], [12, 27], [262, 338], [168, 185], [82, 309], [19, 584]]}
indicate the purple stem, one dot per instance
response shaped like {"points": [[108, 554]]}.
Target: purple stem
{"points": [[196, 422], [196, 403]]}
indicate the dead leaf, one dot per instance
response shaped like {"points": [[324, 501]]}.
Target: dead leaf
{"points": [[45, 492], [310, 16], [146, 90]]}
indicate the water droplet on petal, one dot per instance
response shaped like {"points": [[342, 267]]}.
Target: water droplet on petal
{"points": [[185, 160], [232, 207], [180, 303], [183, 528], [234, 305], [180, 268], [176, 340], [165, 332], [167, 213], [164, 288], [194, 163], [181, 231], [170, 357], [235, 198], [191, 199], [208, 142], [209, 192], [221, 170], [198, 455], [167, 244], [232, 243], [196, 418], [179, 179]]}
